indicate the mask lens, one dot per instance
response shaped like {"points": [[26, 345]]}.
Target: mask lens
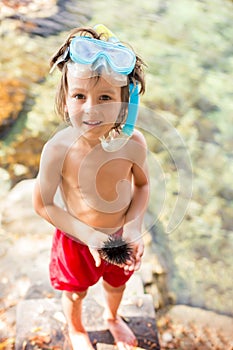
{"points": [[123, 61], [83, 52]]}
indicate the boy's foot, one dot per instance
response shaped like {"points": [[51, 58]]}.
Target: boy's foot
{"points": [[122, 334], [80, 341]]}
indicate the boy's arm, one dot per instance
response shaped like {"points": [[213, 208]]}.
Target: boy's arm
{"points": [[135, 214], [47, 183]]}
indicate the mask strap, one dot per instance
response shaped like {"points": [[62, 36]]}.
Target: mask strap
{"points": [[62, 58], [109, 35]]}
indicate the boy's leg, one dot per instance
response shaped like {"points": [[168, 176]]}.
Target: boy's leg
{"points": [[72, 308], [123, 336]]}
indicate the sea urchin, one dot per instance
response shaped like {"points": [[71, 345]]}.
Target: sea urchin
{"points": [[116, 250]]}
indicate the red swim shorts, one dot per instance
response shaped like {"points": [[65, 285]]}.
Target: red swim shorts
{"points": [[72, 267]]}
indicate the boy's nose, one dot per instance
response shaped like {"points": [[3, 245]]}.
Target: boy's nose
{"points": [[89, 105]]}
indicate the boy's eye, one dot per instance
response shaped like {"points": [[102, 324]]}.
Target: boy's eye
{"points": [[105, 98], [79, 97]]}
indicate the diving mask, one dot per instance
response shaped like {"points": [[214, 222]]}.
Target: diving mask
{"points": [[91, 57], [86, 50]]}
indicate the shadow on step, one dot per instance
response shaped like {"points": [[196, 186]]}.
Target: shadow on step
{"points": [[144, 329]]}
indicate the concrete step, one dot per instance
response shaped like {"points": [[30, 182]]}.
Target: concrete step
{"points": [[40, 322]]}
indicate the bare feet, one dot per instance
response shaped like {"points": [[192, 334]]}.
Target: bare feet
{"points": [[122, 334], [80, 341]]}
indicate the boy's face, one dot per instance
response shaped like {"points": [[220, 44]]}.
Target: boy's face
{"points": [[93, 105]]}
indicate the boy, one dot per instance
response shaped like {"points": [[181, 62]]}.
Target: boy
{"points": [[101, 172]]}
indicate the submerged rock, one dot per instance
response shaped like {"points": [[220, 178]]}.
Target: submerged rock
{"points": [[45, 18], [207, 130], [23, 159], [226, 214], [12, 97]]}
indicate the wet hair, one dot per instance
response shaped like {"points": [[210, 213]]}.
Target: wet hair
{"points": [[137, 75]]}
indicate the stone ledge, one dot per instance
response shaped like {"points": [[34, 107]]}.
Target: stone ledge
{"points": [[43, 320], [202, 318], [102, 346]]}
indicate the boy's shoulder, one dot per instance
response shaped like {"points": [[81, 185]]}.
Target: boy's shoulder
{"points": [[58, 143], [59, 136], [136, 147], [139, 137], [62, 138]]}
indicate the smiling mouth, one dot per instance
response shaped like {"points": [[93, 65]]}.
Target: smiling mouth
{"points": [[92, 122]]}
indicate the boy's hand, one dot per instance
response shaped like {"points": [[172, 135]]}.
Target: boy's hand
{"points": [[97, 240], [94, 243], [137, 244]]}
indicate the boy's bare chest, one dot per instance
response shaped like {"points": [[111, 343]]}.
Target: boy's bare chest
{"points": [[98, 172]]}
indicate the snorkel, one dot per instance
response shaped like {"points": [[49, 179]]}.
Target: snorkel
{"points": [[115, 142]]}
